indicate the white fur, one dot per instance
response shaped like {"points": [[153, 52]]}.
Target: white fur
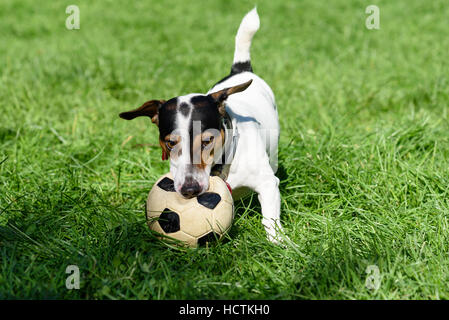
{"points": [[180, 162], [248, 27], [254, 114]]}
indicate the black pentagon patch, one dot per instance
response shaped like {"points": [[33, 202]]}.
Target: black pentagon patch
{"points": [[210, 237], [209, 199], [169, 221], [167, 184]]}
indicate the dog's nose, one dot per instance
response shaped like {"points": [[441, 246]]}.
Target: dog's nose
{"points": [[190, 188]]}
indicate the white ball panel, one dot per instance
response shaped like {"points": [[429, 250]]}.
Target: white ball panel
{"points": [[197, 221]]}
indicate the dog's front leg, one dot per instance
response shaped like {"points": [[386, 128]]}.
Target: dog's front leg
{"points": [[270, 201]]}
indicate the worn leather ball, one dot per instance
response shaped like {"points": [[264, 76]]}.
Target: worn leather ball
{"points": [[196, 221]]}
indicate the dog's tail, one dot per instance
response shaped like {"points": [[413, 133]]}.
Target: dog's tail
{"points": [[248, 27]]}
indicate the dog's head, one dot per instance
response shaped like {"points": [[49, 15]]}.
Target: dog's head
{"points": [[190, 134]]}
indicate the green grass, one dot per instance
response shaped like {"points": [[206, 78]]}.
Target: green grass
{"points": [[363, 153]]}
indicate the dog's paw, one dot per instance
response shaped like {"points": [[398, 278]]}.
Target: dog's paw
{"points": [[275, 233]]}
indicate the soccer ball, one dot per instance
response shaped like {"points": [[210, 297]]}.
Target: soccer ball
{"points": [[194, 221]]}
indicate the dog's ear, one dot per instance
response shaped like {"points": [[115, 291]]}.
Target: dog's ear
{"points": [[222, 95], [148, 109]]}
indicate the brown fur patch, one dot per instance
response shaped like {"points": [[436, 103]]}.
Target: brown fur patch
{"points": [[163, 143], [164, 147], [148, 109], [207, 156]]}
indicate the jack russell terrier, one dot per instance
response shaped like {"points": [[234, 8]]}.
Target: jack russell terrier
{"points": [[231, 131]]}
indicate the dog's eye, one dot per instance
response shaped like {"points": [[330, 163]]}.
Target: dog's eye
{"points": [[204, 144], [170, 144]]}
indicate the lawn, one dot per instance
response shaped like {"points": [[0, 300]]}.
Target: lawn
{"points": [[363, 153]]}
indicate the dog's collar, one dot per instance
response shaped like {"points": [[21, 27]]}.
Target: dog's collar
{"points": [[230, 145]]}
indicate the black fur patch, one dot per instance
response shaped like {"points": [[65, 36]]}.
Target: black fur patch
{"points": [[237, 68], [240, 67], [167, 116], [184, 109], [205, 109]]}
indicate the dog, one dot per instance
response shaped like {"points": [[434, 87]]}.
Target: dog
{"points": [[231, 131]]}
